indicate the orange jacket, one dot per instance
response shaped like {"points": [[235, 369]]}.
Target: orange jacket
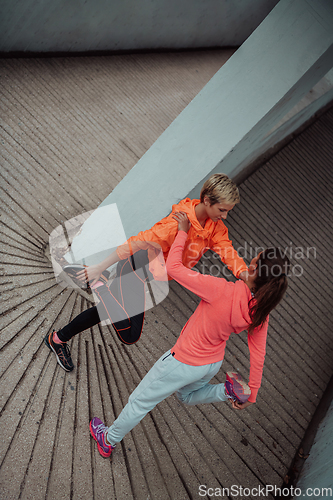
{"points": [[213, 236]]}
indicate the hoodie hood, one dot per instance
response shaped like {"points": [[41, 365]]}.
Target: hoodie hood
{"points": [[188, 206]]}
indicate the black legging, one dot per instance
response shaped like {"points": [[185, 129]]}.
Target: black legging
{"points": [[123, 302]]}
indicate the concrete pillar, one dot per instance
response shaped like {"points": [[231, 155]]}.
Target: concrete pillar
{"points": [[290, 51]]}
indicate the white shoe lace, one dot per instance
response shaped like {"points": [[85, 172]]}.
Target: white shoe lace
{"points": [[100, 428]]}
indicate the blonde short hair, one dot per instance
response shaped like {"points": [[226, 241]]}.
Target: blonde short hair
{"points": [[220, 189]]}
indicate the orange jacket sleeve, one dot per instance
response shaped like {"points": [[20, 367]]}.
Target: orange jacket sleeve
{"points": [[223, 247], [160, 236]]}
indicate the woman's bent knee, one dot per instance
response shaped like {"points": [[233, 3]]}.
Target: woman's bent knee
{"points": [[184, 398]]}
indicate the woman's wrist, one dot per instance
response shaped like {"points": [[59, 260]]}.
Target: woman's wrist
{"points": [[100, 268]]}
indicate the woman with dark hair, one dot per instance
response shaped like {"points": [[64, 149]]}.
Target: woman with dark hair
{"points": [[197, 356], [270, 285]]}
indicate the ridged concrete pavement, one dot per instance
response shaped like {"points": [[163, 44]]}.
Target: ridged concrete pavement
{"points": [[71, 128]]}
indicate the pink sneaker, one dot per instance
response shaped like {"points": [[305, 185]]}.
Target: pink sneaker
{"points": [[98, 431], [236, 388]]}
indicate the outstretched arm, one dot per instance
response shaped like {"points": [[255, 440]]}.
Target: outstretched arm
{"points": [[257, 347], [205, 286], [92, 273], [160, 237], [229, 256]]}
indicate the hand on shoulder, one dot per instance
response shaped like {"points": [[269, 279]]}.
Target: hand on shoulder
{"points": [[183, 221]]}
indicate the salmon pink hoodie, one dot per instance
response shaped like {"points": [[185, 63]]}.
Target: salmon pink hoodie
{"points": [[224, 309]]}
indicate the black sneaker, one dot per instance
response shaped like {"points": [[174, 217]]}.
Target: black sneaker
{"points": [[61, 351]]}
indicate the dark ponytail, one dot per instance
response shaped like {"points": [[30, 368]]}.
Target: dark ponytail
{"points": [[270, 285]]}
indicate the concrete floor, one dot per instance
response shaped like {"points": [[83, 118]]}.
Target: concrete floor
{"points": [[71, 128]]}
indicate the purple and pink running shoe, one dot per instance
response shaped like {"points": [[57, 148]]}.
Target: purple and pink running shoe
{"points": [[236, 388], [98, 431]]}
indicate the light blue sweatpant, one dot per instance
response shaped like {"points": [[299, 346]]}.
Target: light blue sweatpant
{"points": [[191, 383]]}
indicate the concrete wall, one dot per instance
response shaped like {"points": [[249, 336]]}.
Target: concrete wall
{"points": [[226, 123], [77, 25], [257, 145], [317, 472]]}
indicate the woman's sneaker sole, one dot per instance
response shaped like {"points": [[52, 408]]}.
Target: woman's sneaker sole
{"points": [[236, 388], [63, 352]]}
